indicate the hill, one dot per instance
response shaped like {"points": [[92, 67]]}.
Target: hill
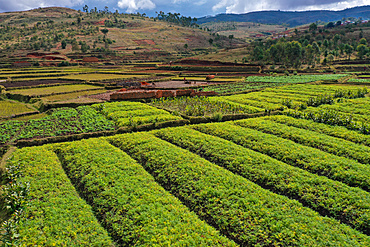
{"points": [[289, 17], [68, 35]]}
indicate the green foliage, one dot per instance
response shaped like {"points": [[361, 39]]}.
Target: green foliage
{"points": [[335, 131], [332, 117], [203, 106], [323, 142], [295, 78], [324, 195], [54, 205], [134, 113], [241, 210], [341, 169], [112, 182], [63, 121]]}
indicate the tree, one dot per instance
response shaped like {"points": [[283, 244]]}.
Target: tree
{"points": [[64, 44], [294, 53], [108, 23], [331, 58], [313, 27], [105, 32], [316, 50], [310, 54], [330, 25], [85, 8], [75, 45], [363, 41], [362, 51], [210, 41], [348, 49], [257, 53], [186, 46]]}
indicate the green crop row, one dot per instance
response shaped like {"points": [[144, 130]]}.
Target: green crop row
{"points": [[55, 214], [316, 161], [154, 119], [308, 89], [347, 204], [133, 207], [63, 121], [203, 106], [313, 139], [258, 102], [108, 108], [353, 106], [237, 207], [332, 117], [134, 113], [295, 78], [335, 131], [226, 88], [359, 80], [325, 108]]}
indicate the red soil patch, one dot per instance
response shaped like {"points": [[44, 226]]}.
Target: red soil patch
{"points": [[90, 59], [144, 42], [100, 22]]}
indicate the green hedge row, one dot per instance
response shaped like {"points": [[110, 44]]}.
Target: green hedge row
{"points": [[309, 138], [347, 204], [55, 214], [313, 160], [335, 131], [132, 206], [240, 209]]}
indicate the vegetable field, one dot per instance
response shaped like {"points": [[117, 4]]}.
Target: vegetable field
{"points": [[293, 170], [211, 183]]}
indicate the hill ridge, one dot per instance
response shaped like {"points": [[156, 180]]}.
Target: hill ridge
{"points": [[292, 18]]}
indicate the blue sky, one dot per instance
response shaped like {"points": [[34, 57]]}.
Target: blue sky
{"points": [[197, 8]]}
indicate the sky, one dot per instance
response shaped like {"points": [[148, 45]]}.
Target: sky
{"points": [[193, 8]]}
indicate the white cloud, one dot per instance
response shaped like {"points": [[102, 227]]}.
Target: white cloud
{"points": [[242, 6], [6, 5], [134, 5], [220, 5]]}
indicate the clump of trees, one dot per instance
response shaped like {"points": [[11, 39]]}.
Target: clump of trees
{"points": [[178, 19], [309, 47]]}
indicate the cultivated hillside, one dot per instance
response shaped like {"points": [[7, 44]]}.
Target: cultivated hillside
{"points": [[70, 35]]}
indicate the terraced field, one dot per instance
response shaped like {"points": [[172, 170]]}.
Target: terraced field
{"points": [[289, 179]]}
